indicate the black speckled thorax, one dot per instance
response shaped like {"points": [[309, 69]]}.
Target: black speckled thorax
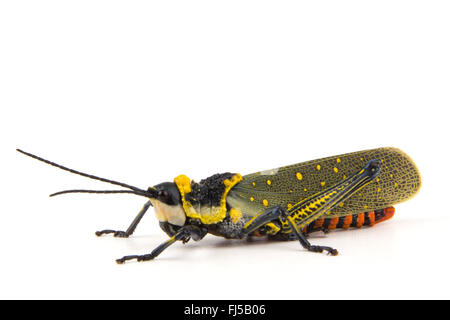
{"points": [[209, 191]]}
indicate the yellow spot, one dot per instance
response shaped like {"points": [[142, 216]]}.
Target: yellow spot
{"points": [[341, 204], [299, 176], [269, 182], [378, 179], [252, 199], [289, 206], [338, 160], [362, 159], [379, 190], [235, 215], [365, 207], [291, 191], [305, 189], [322, 183], [253, 184], [335, 169], [391, 176], [318, 167], [395, 184], [265, 203], [344, 177]]}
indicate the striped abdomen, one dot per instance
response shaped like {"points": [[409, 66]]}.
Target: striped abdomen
{"points": [[350, 221]]}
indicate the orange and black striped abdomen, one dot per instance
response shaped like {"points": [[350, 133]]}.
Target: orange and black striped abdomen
{"points": [[359, 220]]}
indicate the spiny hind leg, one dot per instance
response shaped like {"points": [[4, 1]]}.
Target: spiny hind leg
{"points": [[278, 212], [131, 228], [309, 210], [304, 242]]}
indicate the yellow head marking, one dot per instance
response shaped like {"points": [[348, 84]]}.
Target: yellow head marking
{"points": [[338, 160], [335, 170], [318, 167], [322, 183], [269, 182], [252, 199], [299, 176], [253, 184], [265, 203]]}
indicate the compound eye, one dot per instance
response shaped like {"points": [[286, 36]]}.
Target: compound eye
{"points": [[163, 196]]}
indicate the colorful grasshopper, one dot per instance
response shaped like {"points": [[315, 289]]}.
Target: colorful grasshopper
{"points": [[351, 190]]}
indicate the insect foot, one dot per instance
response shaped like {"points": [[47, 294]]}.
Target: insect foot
{"points": [[331, 251], [117, 234], [145, 257]]}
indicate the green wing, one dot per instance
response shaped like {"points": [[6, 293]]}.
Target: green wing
{"points": [[399, 180]]}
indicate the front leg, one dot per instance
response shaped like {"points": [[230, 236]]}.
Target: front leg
{"points": [[184, 235], [131, 228]]}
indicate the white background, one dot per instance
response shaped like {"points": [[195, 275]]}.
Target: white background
{"points": [[142, 91]]}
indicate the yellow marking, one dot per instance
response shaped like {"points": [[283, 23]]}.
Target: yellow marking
{"points": [[291, 191], [395, 184], [378, 179], [209, 215], [365, 207], [391, 176], [362, 159], [289, 206], [299, 176], [305, 189], [341, 204], [265, 203], [344, 177], [269, 182], [322, 183], [338, 160], [183, 183], [318, 167], [253, 184], [379, 189], [235, 215], [335, 169], [273, 227], [252, 199]]}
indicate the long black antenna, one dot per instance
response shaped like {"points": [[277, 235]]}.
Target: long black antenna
{"points": [[137, 190], [97, 191]]}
